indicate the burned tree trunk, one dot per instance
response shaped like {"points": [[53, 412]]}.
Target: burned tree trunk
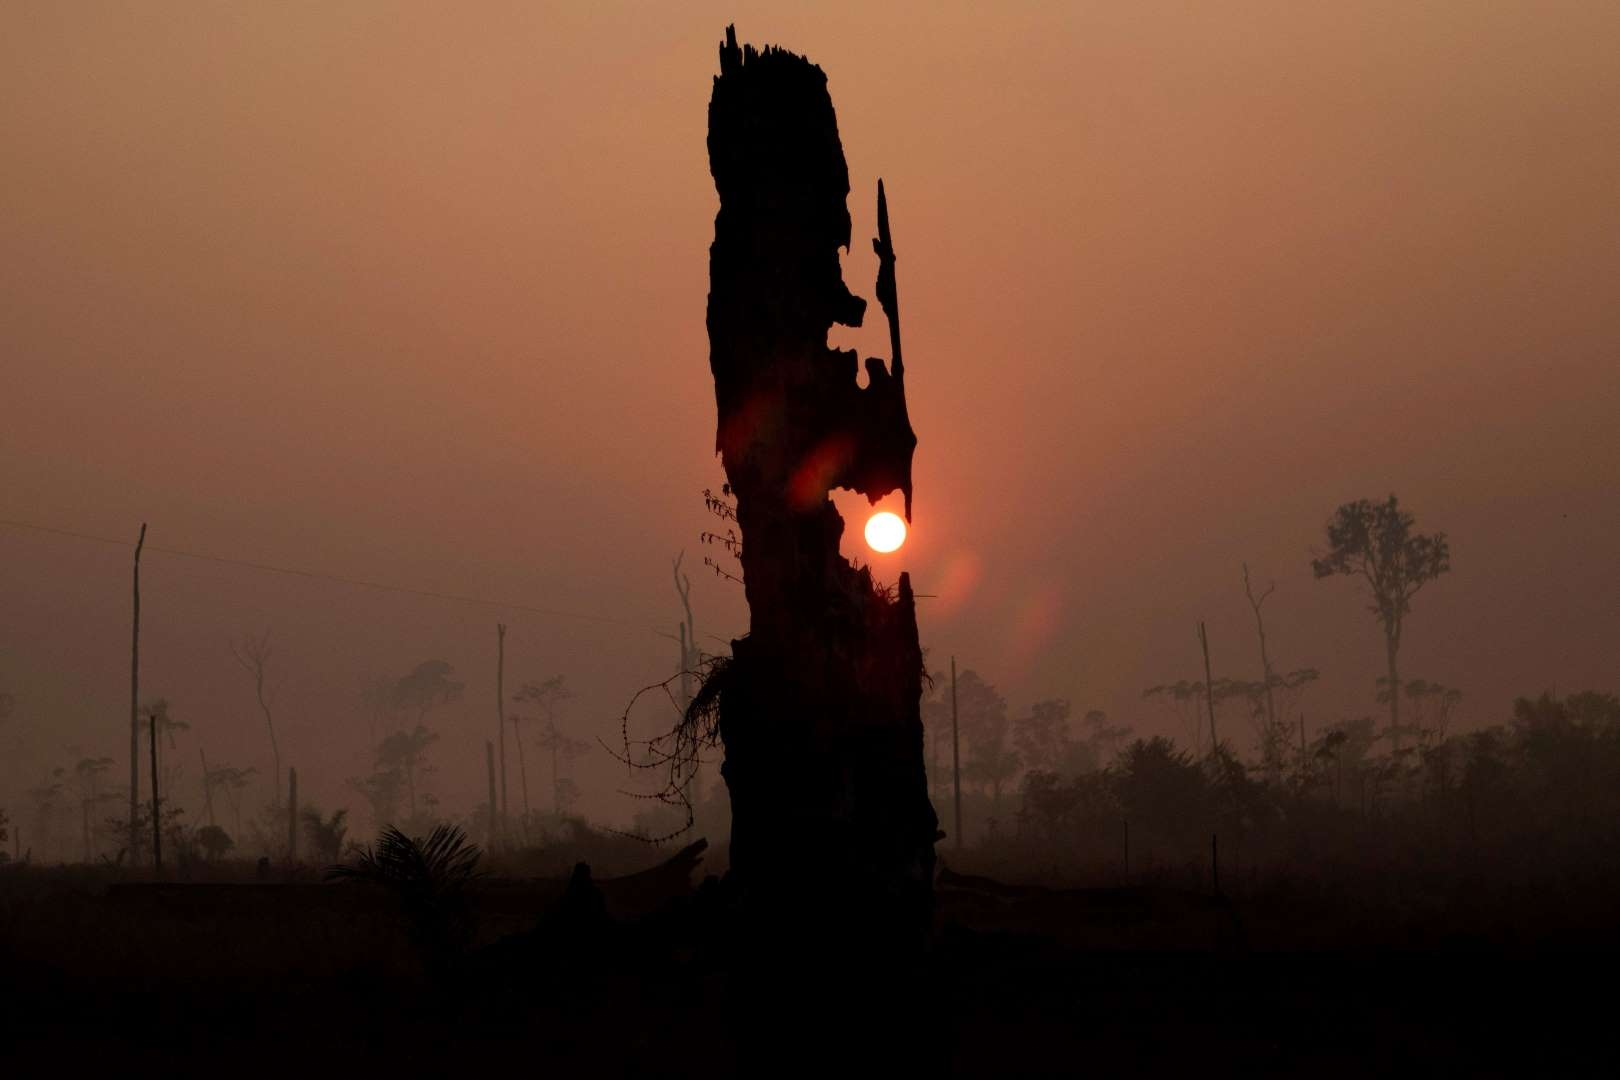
{"points": [[819, 709]]}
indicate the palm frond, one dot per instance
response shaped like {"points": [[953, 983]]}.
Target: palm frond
{"points": [[444, 862]]}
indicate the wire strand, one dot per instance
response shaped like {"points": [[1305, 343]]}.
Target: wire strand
{"points": [[338, 578]]}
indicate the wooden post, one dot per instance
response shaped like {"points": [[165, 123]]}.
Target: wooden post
{"points": [[1127, 859], [494, 810], [157, 831], [500, 723], [134, 707], [1209, 690], [292, 814], [956, 758]]}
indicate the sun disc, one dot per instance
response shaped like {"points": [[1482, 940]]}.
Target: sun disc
{"points": [[885, 532]]}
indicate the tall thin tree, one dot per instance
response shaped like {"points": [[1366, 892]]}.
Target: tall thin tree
{"points": [[1209, 689], [253, 654], [494, 814], [956, 757], [1376, 541], [157, 831], [134, 707], [292, 814], [500, 726], [1255, 604]]}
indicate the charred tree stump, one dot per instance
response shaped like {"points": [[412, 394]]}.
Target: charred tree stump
{"points": [[819, 710]]}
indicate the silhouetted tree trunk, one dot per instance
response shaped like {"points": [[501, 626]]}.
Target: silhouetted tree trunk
{"points": [[292, 814], [1375, 541], [956, 757], [523, 775], [500, 722], [1392, 649], [819, 711], [208, 788], [1209, 690], [253, 654], [1260, 628], [157, 828], [494, 816], [134, 708]]}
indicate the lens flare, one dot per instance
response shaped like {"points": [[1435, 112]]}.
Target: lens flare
{"points": [[885, 532]]}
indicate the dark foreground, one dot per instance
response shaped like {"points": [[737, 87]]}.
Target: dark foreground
{"points": [[640, 976]]}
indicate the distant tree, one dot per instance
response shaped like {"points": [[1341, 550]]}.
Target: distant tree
{"points": [[1376, 541], [428, 686], [47, 800], [1042, 736], [988, 759], [562, 749], [377, 698], [253, 655], [1433, 706], [169, 818], [548, 697], [1343, 753], [214, 841], [1162, 792], [1272, 730], [1186, 697], [518, 720], [403, 751], [89, 772], [381, 791], [1101, 737], [325, 835], [1256, 603], [935, 708], [231, 782]]}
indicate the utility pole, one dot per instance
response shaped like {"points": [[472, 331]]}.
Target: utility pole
{"points": [[134, 707], [956, 758], [1209, 690], [500, 727], [157, 830]]}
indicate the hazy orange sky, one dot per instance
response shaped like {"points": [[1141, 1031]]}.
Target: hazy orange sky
{"points": [[415, 293]]}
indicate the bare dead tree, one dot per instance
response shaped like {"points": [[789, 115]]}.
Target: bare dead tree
{"points": [[134, 706], [1255, 604], [1209, 690], [562, 748], [253, 654], [498, 834], [523, 772]]}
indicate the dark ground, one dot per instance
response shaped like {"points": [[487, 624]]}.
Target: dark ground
{"points": [[299, 977]]}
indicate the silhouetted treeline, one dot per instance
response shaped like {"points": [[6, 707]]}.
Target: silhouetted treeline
{"points": [[1539, 792]]}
